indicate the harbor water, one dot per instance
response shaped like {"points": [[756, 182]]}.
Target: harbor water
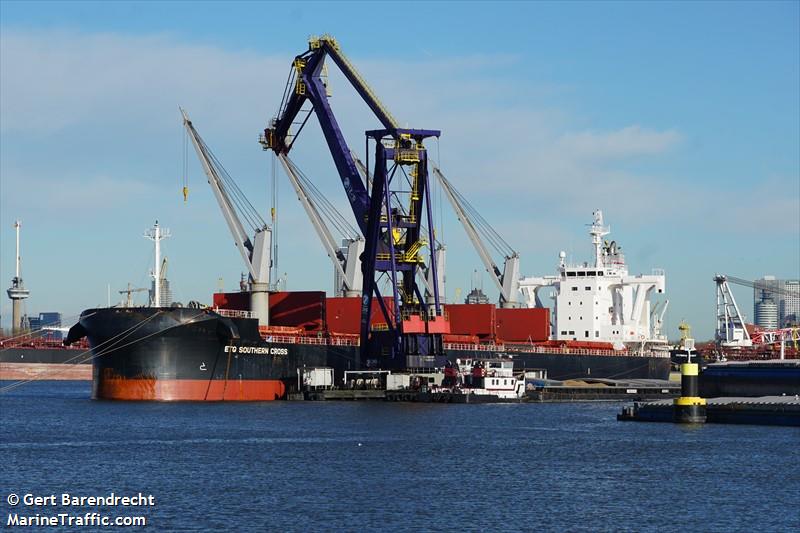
{"points": [[354, 466]]}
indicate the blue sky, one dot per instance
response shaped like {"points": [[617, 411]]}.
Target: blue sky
{"points": [[680, 120]]}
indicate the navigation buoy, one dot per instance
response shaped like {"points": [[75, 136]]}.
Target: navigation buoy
{"points": [[690, 407]]}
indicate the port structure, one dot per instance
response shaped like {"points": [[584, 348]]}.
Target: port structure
{"points": [[389, 209], [731, 331], [17, 292]]}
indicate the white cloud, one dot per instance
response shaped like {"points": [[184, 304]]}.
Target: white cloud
{"points": [[626, 142]]}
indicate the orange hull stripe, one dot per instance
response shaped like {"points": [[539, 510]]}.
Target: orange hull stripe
{"points": [[188, 389]]}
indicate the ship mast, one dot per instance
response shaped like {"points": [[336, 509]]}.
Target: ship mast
{"points": [[598, 231], [155, 234]]}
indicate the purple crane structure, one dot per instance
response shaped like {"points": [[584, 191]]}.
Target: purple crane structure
{"points": [[390, 214]]}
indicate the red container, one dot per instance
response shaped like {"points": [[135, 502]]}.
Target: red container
{"points": [[472, 319], [300, 309], [523, 325]]}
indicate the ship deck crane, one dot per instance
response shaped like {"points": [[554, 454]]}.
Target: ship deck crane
{"points": [[236, 208], [507, 281], [348, 278], [393, 237]]}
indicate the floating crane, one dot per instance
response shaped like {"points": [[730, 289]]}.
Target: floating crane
{"points": [[389, 213], [235, 207], [507, 281]]}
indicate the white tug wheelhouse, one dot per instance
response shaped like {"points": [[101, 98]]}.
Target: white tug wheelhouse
{"points": [[601, 302]]}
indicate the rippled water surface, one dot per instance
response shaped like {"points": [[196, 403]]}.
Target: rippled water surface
{"points": [[283, 466]]}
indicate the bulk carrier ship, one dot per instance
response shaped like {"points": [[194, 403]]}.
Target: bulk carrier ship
{"points": [[253, 345], [221, 352]]}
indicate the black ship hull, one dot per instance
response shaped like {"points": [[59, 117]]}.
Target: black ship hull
{"points": [[191, 354]]}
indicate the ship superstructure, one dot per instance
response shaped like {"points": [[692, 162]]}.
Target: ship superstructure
{"points": [[600, 301]]}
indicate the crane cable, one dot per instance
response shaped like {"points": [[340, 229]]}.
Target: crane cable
{"points": [[228, 184], [325, 207], [481, 225]]}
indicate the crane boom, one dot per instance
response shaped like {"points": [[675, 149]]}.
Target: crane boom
{"points": [[349, 275], [762, 285], [311, 86], [256, 253], [507, 281]]}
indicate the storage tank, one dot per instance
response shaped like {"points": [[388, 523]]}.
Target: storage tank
{"points": [[767, 314]]}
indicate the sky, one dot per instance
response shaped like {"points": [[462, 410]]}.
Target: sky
{"points": [[680, 120]]}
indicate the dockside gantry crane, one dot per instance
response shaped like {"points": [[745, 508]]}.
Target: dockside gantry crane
{"points": [[389, 212]]}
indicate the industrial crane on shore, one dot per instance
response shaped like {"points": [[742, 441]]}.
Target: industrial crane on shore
{"points": [[731, 330], [389, 211]]}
